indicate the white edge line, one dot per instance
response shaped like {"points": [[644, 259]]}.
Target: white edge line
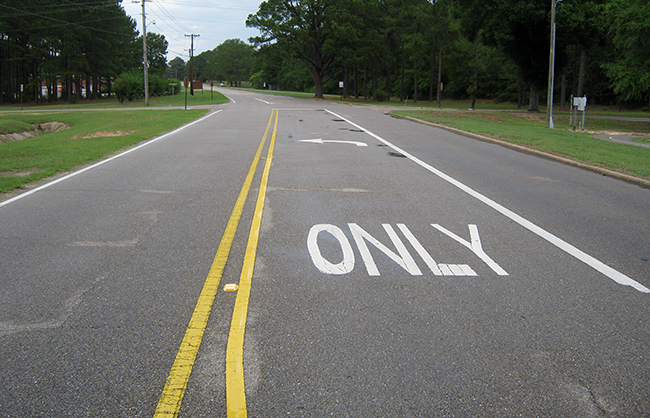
{"points": [[603, 268], [90, 167]]}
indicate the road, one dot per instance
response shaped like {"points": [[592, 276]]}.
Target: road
{"points": [[384, 269]]}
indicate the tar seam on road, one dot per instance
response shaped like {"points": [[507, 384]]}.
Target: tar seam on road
{"points": [[598, 265], [235, 389], [172, 395], [90, 167]]}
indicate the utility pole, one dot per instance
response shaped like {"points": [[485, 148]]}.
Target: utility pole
{"points": [[192, 36], [144, 53], [551, 69]]}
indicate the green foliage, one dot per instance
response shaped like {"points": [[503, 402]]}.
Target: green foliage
{"points": [[156, 52], [176, 69], [232, 61], [33, 50], [629, 23], [130, 86]]}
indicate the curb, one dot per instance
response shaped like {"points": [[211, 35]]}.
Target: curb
{"points": [[604, 171]]}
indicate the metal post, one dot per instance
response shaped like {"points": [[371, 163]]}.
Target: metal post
{"points": [[551, 69], [144, 56]]}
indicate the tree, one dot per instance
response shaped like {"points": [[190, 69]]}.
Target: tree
{"points": [[50, 42], [629, 25], [303, 28], [176, 68], [156, 52], [233, 60], [520, 28]]}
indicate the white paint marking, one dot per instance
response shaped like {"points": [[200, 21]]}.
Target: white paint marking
{"points": [[456, 270], [445, 270], [475, 246], [467, 270], [90, 167], [322, 141], [424, 254], [598, 265], [404, 259], [323, 265], [263, 101]]}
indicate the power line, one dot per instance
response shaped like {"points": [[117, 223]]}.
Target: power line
{"points": [[63, 21]]}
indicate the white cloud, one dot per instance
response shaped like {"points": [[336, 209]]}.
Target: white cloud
{"points": [[215, 22]]}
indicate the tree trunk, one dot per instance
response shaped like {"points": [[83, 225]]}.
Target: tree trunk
{"points": [[401, 84], [77, 83], [365, 81], [475, 75], [318, 83], [581, 78], [415, 73], [533, 106], [433, 67], [388, 87], [356, 90], [438, 96], [574, 84], [374, 79], [563, 92]]}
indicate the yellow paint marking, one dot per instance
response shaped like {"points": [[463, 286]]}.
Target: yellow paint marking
{"points": [[172, 395], [235, 390]]}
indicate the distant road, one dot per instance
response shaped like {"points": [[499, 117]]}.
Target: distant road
{"points": [[378, 267]]}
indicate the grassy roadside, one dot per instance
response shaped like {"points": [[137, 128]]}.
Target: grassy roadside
{"points": [[91, 137], [200, 98], [529, 130]]}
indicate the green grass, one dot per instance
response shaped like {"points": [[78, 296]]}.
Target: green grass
{"points": [[530, 130], [200, 98], [86, 141]]}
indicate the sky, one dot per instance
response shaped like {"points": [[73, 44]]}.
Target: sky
{"points": [[214, 21]]}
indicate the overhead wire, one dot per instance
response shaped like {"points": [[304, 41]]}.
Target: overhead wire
{"points": [[63, 21]]}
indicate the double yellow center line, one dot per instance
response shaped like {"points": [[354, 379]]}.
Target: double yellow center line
{"points": [[172, 395]]}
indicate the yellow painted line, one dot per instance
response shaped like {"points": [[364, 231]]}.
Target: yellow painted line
{"points": [[235, 390], [172, 395]]}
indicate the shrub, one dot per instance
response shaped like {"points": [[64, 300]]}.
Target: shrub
{"points": [[130, 86]]}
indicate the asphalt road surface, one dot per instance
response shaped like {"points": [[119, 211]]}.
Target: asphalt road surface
{"points": [[381, 268]]}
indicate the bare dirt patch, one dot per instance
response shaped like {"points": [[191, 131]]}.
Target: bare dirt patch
{"points": [[103, 134], [535, 117], [39, 129], [23, 173]]}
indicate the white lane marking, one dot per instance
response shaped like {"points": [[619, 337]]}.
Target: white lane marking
{"points": [[263, 101], [475, 246], [428, 260], [345, 266], [90, 167], [404, 259], [229, 98], [598, 265], [335, 141]]}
